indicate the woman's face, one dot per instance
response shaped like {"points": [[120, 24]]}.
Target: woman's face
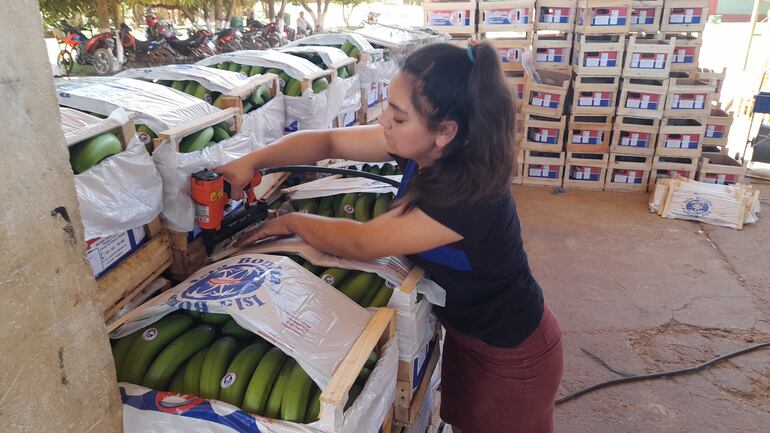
{"points": [[406, 132]]}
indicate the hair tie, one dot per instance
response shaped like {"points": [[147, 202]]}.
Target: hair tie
{"points": [[470, 54]]}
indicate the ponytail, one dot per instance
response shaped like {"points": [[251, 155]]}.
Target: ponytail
{"points": [[466, 86]]}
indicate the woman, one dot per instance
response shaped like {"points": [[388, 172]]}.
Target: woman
{"points": [[449, 124]]}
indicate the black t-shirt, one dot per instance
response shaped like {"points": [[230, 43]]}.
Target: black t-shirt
{"points": [[491, 294]]}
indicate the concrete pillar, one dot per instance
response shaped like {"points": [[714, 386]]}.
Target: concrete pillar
{"points": [[57, 369]]}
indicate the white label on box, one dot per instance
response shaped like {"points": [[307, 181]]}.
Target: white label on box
{"points": [[577, 138], [620, 178], [710, 130], [710, 180], [557, 16], [584, 101], [675, 101], [446, 18], [592, 62], [642, 17], [699, 101], [106, 251], [535, 172], [546, 169], [722, 178], [547, 101], [597, 99], [647, 63], [541, 57], [676, 19], [688, 13], [634, 139], [631, 177], [548, 18], [537, 101], [625, 141], [673, 143], [614, 17], [601, 20], [680, 55], [660, 61], [633, 103], [605, 59], [551, 54], [687, 103], [538, 136], [586, 136], [635, 60], [685, 141], [645, 102]]}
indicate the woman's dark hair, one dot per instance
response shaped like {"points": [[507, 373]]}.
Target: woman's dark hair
{"points": [[451, 84]]}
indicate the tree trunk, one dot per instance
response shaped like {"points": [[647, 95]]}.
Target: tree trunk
{"points": [[206, 17], [103, 11], [230, 11], [218, 14], [346, 15], [271, 10], [138, 15]]}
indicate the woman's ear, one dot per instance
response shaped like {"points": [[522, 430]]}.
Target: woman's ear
{"points": [[447, 131]]}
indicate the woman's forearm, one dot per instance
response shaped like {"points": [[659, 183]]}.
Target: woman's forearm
{"points": [[337, 236], [302, 147]]}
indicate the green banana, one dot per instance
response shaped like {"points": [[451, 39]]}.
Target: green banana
{"points": [[326, 203], [354, 52], [261, 383], [232, 329], [88, 153], [347, 207], [261, 96], [363, 376], [256, 70], [306, 205], [192, 373], [366, 168], [343, 73], [369, 295], [314, 407], [238, 376], [197, 141], [175, 354], [326, 213], [179, 85], [381, 205], [121, 348], [177, 383], [203, 93], [362, 211], [310, 267], [197, 315], [320, 84], [166, 83], [247, 107], [214, 365], [388, 169], [153, 339], [355, 391], [337, 202], [245, 70], [334, 276], [356, 286], [225, 66], [382, 297], [234, 67], [372, 360], [293, 87], [219, 102], [274, 402], [215, 318], [220, 134], [347, 46], [191, 88], [297, 395], [373, 169]]}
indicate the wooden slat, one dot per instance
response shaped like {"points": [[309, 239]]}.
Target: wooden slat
{"points": [[406, 412], [177, 133], [254, 82]]}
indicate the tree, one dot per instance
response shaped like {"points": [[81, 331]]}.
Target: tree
{"points": [[54, 11], [347, 8], [319, 15]]}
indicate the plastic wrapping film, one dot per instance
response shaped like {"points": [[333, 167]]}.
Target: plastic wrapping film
{"points": [[146, 411], [288, 306], [122, 191], [310, 111], [330, 55], [401, 41], [216, 80], [415, 320], [265, 124], [332, 185], [158, 107], [377, 69]]}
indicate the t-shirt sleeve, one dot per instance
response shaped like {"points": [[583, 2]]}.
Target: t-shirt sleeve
{"points": [[463, 220]]}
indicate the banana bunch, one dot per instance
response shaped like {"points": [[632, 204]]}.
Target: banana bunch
{"points": [[351, 50], [205, 137], [387, 169], [88, 153], [289, 86], [209, 355], [342, 72], [257, 99], [364, 288]]}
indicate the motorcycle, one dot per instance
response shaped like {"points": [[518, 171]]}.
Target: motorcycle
{"points": [[99, 51], [228, 40], [198, 44], [144, 53], [262, 36]]}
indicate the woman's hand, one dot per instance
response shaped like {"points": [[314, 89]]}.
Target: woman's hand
{"points": [[273, 227], [238, 174]]}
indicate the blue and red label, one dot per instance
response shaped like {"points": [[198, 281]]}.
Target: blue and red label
{"points": [[605, 17], [627, 176], [449, 18], [600, 59], [721, 178], [671, 174], [684, 55], [554, 15], [642, 16], [544, 171], [587, 136], [543, 135], [689, 101], [681, 141], [715, 131], [635, 139], [543, 99], [685, 15], [642, 101], [585, 173], [594, 99], [551, 55]]}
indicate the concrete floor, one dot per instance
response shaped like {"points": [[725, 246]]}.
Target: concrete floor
{"points": [[647, 294]]}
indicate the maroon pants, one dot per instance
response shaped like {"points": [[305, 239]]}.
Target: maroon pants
{"points": [[487, 389]]}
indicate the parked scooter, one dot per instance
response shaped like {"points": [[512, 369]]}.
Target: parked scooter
{"points": [[144, 53]]}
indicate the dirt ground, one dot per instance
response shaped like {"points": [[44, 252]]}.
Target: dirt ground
{"points": [[647, 294]]}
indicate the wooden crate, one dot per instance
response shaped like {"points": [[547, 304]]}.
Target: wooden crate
{"points": [[175, 135], [371, 114], [234, 98], [585, 170], [409, 401], [603, 16], [543, 168], [648, 58], [628, 173], [548, 97], [510, 51], [634, 135], [517, 81], [598, 55], [544, 134], [670, 167], [589, 134], [641, 97], [686, 50], [451, 17], [717, 127], [188, 255], [552, 52], [520, 130], [680, 137], [684, 16], [720, 169], [594, 95], [122, 284], [519, 166], [689, 98], [713, 77], [506, 16], [556, 15], [645, 16]]}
